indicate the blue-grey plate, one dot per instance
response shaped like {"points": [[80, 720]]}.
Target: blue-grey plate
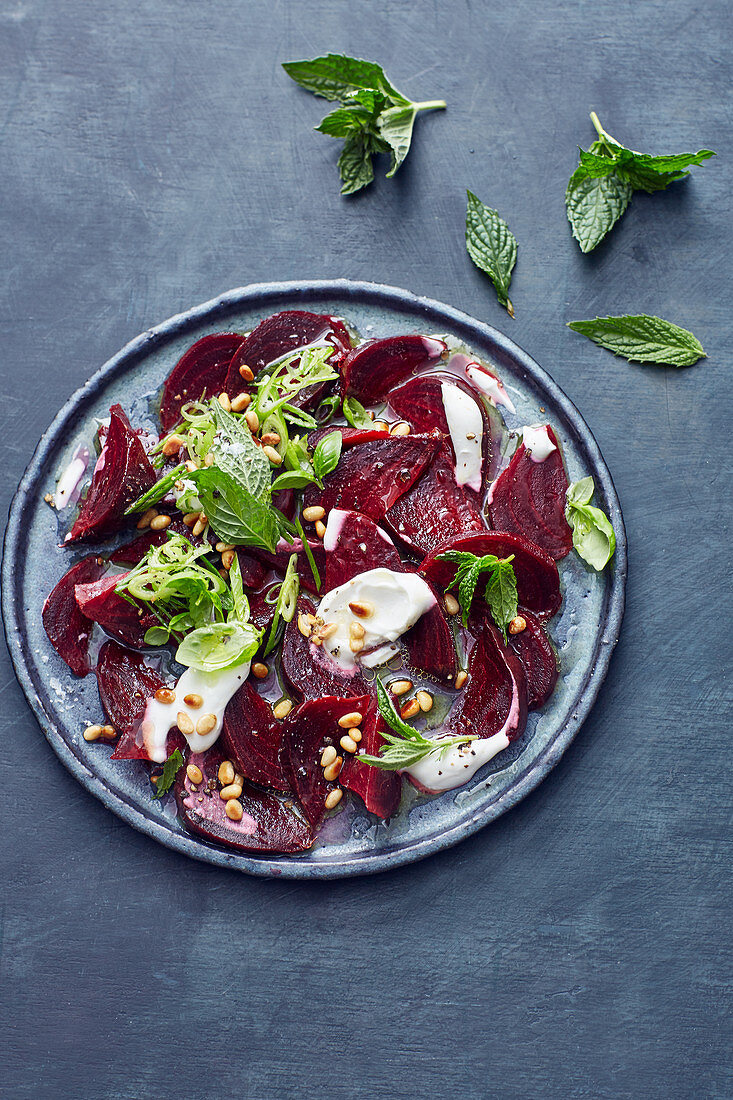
{"points": [[353, 842]]}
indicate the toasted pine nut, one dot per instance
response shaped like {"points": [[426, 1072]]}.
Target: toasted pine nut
{"points": [[381, 426], [356, 645], [283, 708], [222, 546], [199, 526], [253, 421], [320, 528], [193, 700], [303, 625], [227, 559], [194, 774], [233, 810], [333, 798], [461, 678], [272, 438], [260, 671], [331, 771], [400, 429], [146, 519], [517, 625], [425, 700], [232, 791], [165, 695], [246, 373], [356, 735], [362, 608], [225, 402], [172, 444], [273, 456], [160, 523], [108, 732], [327, 630], [225, 773], [356, 630], [348, 744], [452, 605], [184, 723], [240, 403], [206, 724], [410, 709], [92, 733], [191, 465], [191, 518], [209, 460], [313, 512], [350, 720], [239, 779], [399, 687], [328, 756]]}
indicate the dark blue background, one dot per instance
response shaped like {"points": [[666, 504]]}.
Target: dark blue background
{"points": [[153, 154]]}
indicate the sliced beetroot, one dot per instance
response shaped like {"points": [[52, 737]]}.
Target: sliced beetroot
{"points": [[268, 823], [538, 583], [253, 571], [379, 790], [309, 729], [126, 681], [370, 371], [252, 738], [68, 628], [350, 437], [433, 506], [131, 553], [370, 477], [528, 498], [119, 618], [431, 645], [308, 671], [534, 650], [122, 474], [261, 611], [200, 372], [354, 544], [279, 560], [495, 695]]}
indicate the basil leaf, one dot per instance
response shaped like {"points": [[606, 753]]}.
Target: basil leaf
{"points": [[595, 205], [293, 479], [235, 515], [156, 635], [355, 165], [492, 247], [642, 338], [157, 491], [580, 492], [171, 768], [236, 453], [593, 535], [219, 645], [355, 413], [327, 454], [501, 595]]}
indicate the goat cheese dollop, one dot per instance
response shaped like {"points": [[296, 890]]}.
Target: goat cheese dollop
{"points": [[466, 427], [215, 688]]}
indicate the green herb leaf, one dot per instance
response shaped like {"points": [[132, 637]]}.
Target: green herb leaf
{"points": [[293, 479], [235, 515], [396, 125], [308, 553], [171, 768], [344, 121], [409, 746], [492, 247], [337, 77], [157, 491], [219, 645], [580, 492], [355, 165], [643, 339], [286, 603], [355, 413], [327, 454], [595, 205], [501, 589], [593, 535], [501, 595], [236, 453]]}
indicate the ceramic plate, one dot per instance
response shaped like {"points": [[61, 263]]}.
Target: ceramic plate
{"points": [[352, 842]]}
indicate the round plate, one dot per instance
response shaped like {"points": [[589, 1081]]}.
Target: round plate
{"points": [[352, 842]]}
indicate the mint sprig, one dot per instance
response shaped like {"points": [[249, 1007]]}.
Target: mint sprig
{"points": [[501, 588], [492, 246], [234, 513], [406, 745], [642, 338], [593, 534]]}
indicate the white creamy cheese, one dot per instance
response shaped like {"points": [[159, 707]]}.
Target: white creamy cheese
{"points": [[537, 441], [397, 601], [466, 427], [491, 386], [215, 688], [68, 483]]}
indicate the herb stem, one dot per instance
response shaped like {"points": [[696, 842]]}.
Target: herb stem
{"points": [[430, 105]]}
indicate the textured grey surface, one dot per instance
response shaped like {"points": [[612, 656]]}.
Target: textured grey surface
{"points": [[152, 155]]}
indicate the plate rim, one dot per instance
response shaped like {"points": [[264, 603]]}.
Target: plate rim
{"points": [[299, 867]]}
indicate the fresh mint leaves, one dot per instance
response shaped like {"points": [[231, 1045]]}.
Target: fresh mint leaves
{"points": [[641, 338], [601, 186], [593, 535], [492, 247], [235, 515], [236, 453], [373, 117], [406, 745], [501, 588], [171, 768]]}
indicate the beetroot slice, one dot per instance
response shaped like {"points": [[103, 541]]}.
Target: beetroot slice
{"points": [[267, 825], [370, 477], [308, 731], [349, 436], [200, 372], [354, 544], [67, 627], [279, 560], [252, 737], [370, 371], [534, 650], [125, 684], [529, 498], [132, 553], [431, 645], [308, 671], [496, 682], [379, 790], [538, 583], [100, 603], [433, 506], [122, 474]]}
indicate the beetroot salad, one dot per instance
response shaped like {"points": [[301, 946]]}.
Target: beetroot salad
{"points": [[331, 573]]}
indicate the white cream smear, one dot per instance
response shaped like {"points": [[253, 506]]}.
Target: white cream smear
{"points": [[69, 481], [215, 688], [491, 386], [396, 600], [466, 427], [537, 441]]}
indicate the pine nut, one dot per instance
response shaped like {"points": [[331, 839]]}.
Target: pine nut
{"points": [[240, 403], [160, 523], [165, 695], [356, 630], [193, 700], [209, 460], [260, 671], [172, 445], [356, 645], [272, 438], [225, 774], [233, 810], [331, 772], [303, 625], [517, 625], [328, 756], [199, 526], [400, 429], [253, 421], [348, 744], [380, 426], [410, 709], [273, 456], [363, 609], [333, 798], [399, 687], [239, 779], [461, 678], [194, 774], [92, 733], [246, 373], [313, 512], [191, 465], [350, 720], [356, 735], [146, 519], [191, 518], [282, 709], [206, 724], [225, 402], [221, 547], [327, 630], [425, 700], [108, 732], [320, 528], [184, 723], [227, 559], [232, 791], [452, 605]]}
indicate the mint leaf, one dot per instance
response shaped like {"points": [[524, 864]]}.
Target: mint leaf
{"points": [[395, 127], [642, 338], [492, 247], [595, 205], [336, 77], [355, 413], [467, 587], [500, 592], [343, 122], [235, 515], [355, 165], [161, 488], [236, 453], [593, 535], [171, 768], [409, 746], [501, 595], [327, 454]]}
